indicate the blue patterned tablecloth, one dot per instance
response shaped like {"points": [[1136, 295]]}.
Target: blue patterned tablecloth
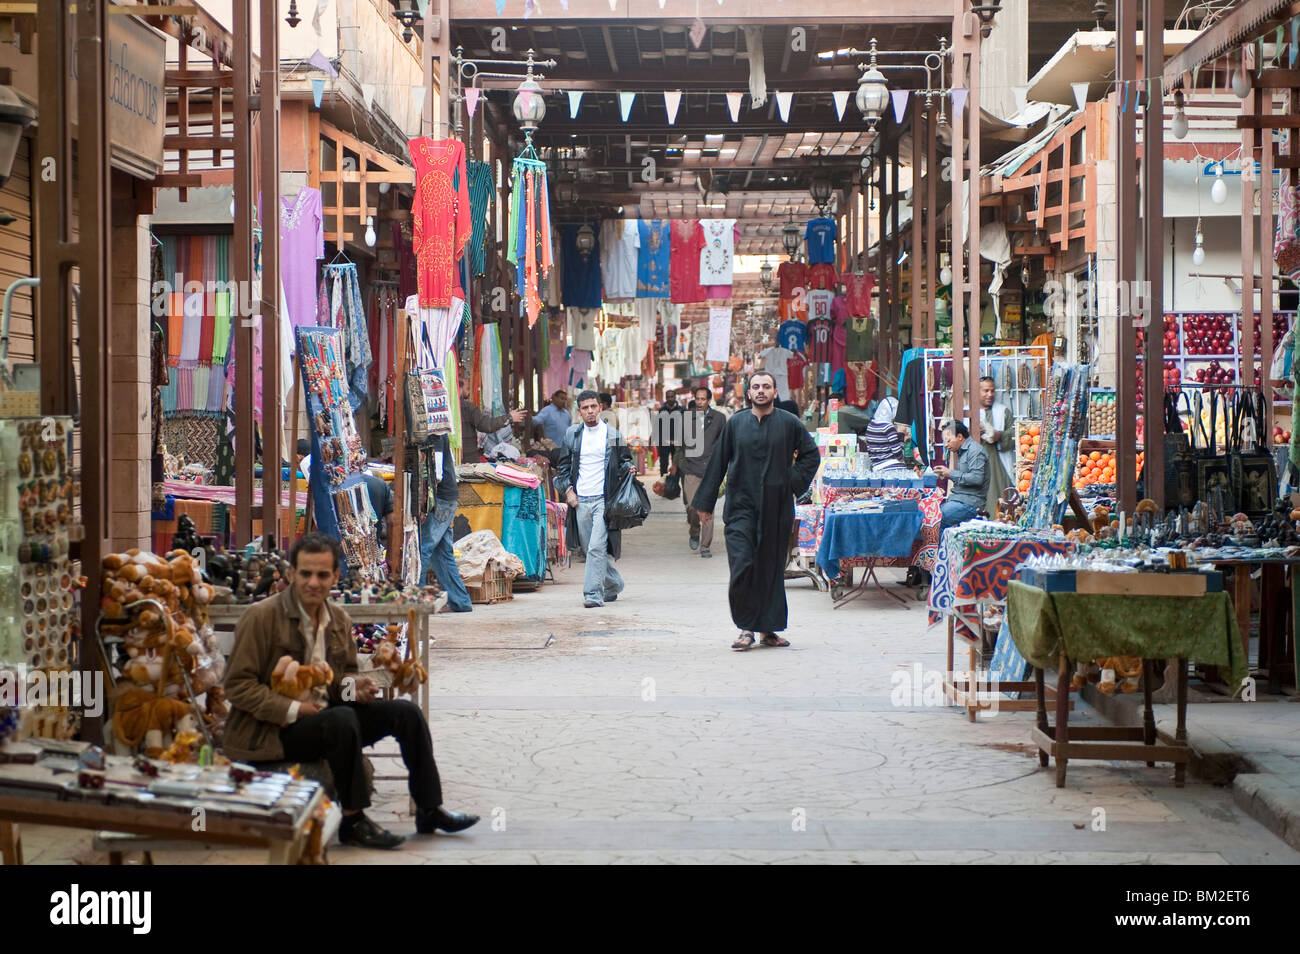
{"points": [[864, 534]]}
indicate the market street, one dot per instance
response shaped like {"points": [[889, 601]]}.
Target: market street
{"points": [[566, 748]]}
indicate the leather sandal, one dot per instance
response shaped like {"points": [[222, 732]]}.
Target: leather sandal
{"points": [[772, 639], [744, 641]]}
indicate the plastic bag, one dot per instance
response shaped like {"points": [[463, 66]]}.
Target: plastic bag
{"points": [[672, 486], [630, 506]]}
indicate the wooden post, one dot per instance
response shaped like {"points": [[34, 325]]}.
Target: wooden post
{"points": [[290, 521], [1254, 103], [241, 271], [1126, 241], [1264, 104], [958, 266], [1153, 212], [973, 225], [915, 253], [272, 406], [397, 532], [931, 227]]}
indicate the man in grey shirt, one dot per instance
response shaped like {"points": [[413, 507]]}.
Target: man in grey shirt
{"points": [[555, 418], [968, 479], [701, 427]]}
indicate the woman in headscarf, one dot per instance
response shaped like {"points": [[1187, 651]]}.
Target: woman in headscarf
{"points": [[883, 438]]}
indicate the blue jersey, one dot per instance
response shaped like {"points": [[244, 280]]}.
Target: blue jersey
{"points": [[652, 260], [821, 234], [792, 335]]}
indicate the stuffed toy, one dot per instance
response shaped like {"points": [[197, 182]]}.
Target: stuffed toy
{"points": [[142, 716], [295, 681], [1128, 669]]}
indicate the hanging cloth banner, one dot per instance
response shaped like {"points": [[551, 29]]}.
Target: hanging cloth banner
{"points": [[575, 100], [783, 105], [625, 104], [672, 99], [317, 90], [1080, 94], [719, 335], [368, 94], [900, 98], [1022, 97], [959, 94], [733, 104], [471, 100], [841, 98]]}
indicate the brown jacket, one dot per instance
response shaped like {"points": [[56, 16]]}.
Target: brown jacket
{"points": [[268, 630]]}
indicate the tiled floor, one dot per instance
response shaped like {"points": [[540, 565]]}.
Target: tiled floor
{"points": [[646, 739]]}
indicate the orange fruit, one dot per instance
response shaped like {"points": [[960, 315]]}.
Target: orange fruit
{"points": [[1095, 455]]}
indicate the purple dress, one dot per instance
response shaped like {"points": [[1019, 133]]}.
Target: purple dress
{"points": [[302, 244]]}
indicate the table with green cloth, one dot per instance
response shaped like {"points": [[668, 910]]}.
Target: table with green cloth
{"points": [[1090, 626]]}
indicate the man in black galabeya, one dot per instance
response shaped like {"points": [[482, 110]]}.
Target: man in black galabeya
{"points": [[768, 459]]}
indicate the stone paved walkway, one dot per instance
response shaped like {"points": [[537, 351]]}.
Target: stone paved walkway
{"points": [[634, 734]]}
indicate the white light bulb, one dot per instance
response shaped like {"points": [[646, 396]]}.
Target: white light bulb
{"points": [[1219, 191], [945, 276], [1100, 40], [1198, 255], [384, 187], [232, 208], [1180, 124], [1240, 85], [371, 238]]}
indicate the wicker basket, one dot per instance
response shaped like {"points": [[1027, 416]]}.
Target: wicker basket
{"points": [[495, 588]]}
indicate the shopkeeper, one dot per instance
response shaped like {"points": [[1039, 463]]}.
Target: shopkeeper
{"points": [[474, 420], [998, 442], [968, 478], [338, 720]]}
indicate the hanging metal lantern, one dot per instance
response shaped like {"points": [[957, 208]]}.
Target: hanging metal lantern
{"points": [[586, 239], [873, 91], [790, 237], [529, 106], [765, 275], [986, 11]]}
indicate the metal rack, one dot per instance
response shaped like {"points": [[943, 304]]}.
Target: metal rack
{"points": [[1021, 375]]}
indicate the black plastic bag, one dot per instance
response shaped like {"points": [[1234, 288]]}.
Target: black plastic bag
{"points": [[630, 506], [672, 486]]}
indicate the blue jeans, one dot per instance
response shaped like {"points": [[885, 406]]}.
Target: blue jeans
{"points": [[600, 581], [955, 512], [438, 553]]}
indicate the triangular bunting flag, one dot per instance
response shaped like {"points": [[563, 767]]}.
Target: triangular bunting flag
{"points": [[368, 94], [959, 94], [501, 7], [698, 31], [613, 5], [471, 99], [423, 5], [900, 98], [1080, 94], [661, 3], [321, 62], [1022, 97], [625, 104], [530, 8], [575, 100], [841, 98], [733, 104], [672, 99], [317, 90], [1196, 73], [783, 101]]}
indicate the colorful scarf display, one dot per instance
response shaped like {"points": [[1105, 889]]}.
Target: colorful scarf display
{"points": [[530, 232]]}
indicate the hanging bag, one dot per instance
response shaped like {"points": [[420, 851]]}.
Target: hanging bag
{"points": [[1180, 473], [1213, 473], [428, 406], [1254, 472]]}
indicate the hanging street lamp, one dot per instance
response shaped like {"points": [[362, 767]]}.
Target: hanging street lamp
{"points": [[790, 237], [529, 105], [986, 12], [873, 92], [765, 275]]}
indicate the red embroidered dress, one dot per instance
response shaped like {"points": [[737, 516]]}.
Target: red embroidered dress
{"points": [[443, 222]]}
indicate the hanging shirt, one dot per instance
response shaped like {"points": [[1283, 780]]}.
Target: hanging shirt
{"points": [[619, 241], [822, 276], [819, 305], [718, 251], [441, 213], [776, 360], [819, 340], [794, 372], [792, 275], [792, 335], [480, 196], [839, 341], [684, 271], [820, 235], [581, 271], [302, 245], [653, 262], [857, 290], [860, 340]]}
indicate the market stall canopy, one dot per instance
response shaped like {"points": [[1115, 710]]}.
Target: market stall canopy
{"points": [[1089, 57], [1250, 20]]}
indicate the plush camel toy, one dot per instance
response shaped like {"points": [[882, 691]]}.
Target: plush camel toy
{"points": [[292, 679], [141, 715]]}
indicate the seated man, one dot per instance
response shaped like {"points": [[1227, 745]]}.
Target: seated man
{"points": [[968, 481], [338, 721]]}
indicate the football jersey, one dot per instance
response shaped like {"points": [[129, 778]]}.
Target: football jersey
{"points": [[792, 309], [857, 289], [792, 335], [819, 340], [822, 276], [795, 372], [819, 305], [791, 275], [820, 235]]}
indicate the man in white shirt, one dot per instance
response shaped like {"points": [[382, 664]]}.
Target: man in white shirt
{"points": [[593, 462]]}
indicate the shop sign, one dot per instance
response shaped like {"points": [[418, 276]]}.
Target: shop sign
{"points": [[136, 95]]}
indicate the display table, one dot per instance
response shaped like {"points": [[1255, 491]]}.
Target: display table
{"points": [[870, 536], [1051, 629], [46, 793], [1276, 652], [925, 548]]}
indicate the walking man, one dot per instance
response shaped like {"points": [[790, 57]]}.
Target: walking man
{"points": [[768, 460], [593, 462], [667, 430], [701, 429]]}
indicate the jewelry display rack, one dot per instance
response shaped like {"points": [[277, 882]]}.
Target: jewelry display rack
{"points": [[1021, 375]]}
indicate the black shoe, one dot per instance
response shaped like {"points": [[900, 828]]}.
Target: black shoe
{"points": [[426, 823], [705, 553], [588, 604], [695, 543], [363, 833], [611, 599]]}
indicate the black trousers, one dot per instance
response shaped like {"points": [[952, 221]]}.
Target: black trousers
{"points": [[340, 732], [665, 458]]}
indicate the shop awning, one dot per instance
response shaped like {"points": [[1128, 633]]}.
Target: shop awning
{"points": [[1089, 57]]}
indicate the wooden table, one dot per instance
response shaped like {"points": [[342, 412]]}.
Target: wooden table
{"points": [[38, 795], [1276, 652], [394, 613]]}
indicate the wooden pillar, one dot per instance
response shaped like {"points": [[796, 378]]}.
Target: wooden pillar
{"points": [[397, 529], [973, 222], [1153, 213], [241, 271], [272, 411], [882, 275], [931, 226], [1126, 240], [1264, 105], [895, 271], [915, 260], [958, 266], [1250, 138]]}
